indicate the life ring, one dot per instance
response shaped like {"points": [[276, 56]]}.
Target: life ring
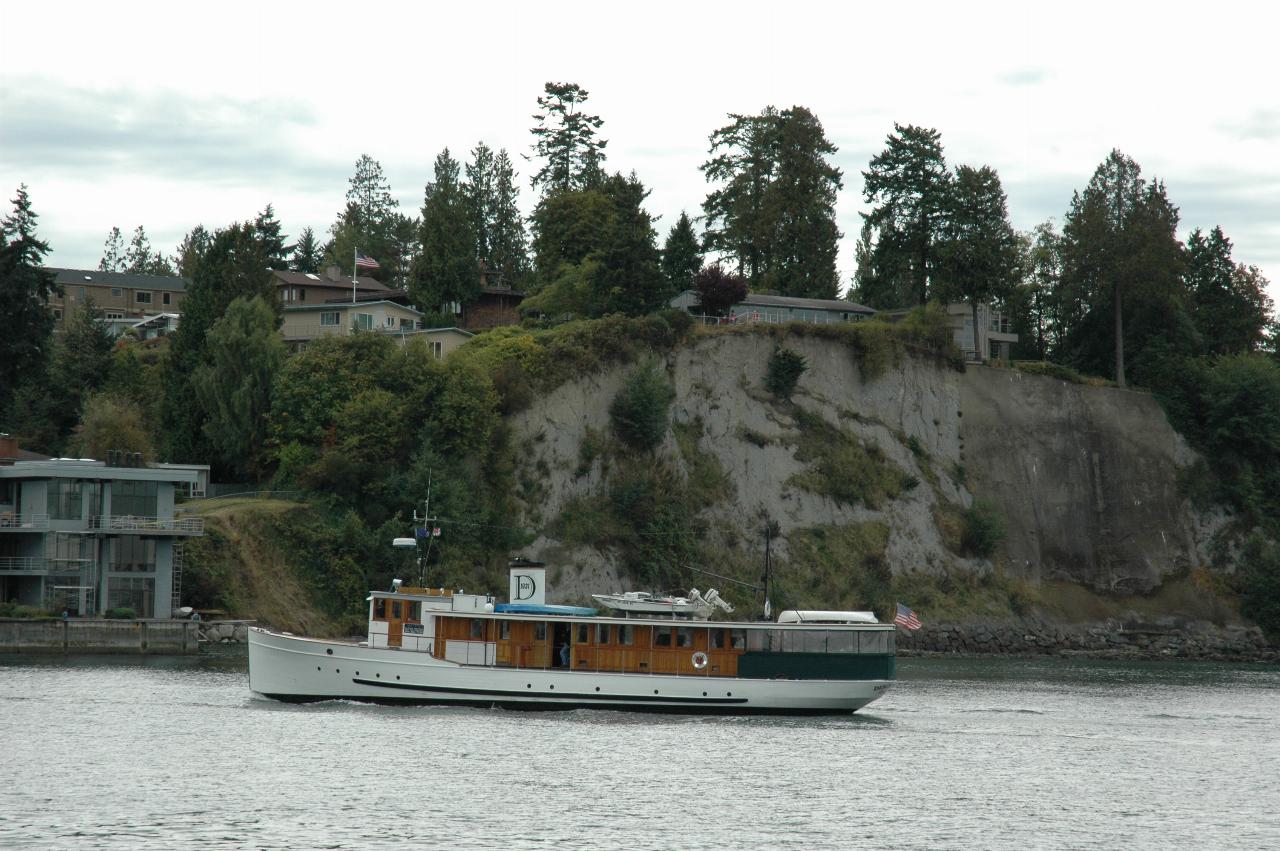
{"points": [[699, 660]]}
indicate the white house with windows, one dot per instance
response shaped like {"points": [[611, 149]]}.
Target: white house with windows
{"points": [[305, 322]]}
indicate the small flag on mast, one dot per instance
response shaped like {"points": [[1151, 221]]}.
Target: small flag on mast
{"points": [[366, 262], [906, 618]]}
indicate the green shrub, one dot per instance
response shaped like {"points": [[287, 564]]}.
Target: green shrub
{"points": [[122, 613], [983, 529], [1259, 585], [842, 466], [785, 368], [639, 411]]}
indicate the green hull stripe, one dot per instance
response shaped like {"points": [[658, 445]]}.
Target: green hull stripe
{"points": [[816, 666]]}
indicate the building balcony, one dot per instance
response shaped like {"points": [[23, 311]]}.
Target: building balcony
{"points": [[147, 525], [24, 522], [37, 566]]}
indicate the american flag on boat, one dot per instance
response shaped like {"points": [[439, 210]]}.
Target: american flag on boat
{"points": [[906, 618], [366, 262]]}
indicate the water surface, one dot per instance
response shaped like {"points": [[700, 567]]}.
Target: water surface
{"points": [[1000, 753]]}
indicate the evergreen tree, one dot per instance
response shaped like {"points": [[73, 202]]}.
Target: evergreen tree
{"points": [[508, 251], [269, 233], [141, 259], [629, 279], [1032, 306], [907, 185], [743, 159], [447, 270], [801, 209], [681, 259], [25, 290], [243, 354], [567, 227], [773, 211], [1120, 247], [1229, 301], [371, 222], [113, 253], [478, 195], [81, 365], [978, 258], [565, 139], [307, 255], [232, 266], [190, 249]]}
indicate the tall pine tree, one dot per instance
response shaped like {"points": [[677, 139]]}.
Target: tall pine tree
{"points": [[907, 185], [447, 270], [681, 257], [25, 290], [307, 255], [1230, 305], [508, 246], [565, 140]]}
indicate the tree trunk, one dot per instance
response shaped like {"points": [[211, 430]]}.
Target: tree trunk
{"points": [[1115, 297]]}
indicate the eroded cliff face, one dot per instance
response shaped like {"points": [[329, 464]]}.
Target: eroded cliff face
{"points": [[1085, 478]]}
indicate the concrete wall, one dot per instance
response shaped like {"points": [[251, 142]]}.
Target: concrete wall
{"points": [[98, 636]]}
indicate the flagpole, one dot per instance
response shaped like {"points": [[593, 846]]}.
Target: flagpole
{"points": [[355, 252]]}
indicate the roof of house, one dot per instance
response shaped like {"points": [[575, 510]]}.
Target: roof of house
{"points": [[835, 304], [325, 279], [334, 305], [455, 329], [92, 277], [380, 295]]}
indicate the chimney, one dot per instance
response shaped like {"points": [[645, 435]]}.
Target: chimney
{"points": [[8, 448], [333, 273]]}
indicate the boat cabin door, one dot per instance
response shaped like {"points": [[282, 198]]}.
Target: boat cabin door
{"points": [[396, 616]]}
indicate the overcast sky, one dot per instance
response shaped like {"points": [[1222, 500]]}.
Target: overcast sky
{"points": [[171, 114]]}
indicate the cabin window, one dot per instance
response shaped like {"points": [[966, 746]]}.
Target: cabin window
{"points": [[810, 641], [583, 633], [602, 633], [626, 634], [662, 636], [874, 642], [395, 610], [684, 636], [413, 611], [842, 641], [540, 632], [717, 639], [477, 628], [379, 609], [738, 639], [504, 630], [757, 639]]}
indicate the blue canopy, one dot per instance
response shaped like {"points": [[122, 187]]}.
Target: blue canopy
{"points": [[531, 609]]}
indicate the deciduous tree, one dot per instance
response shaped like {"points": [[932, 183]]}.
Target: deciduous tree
{"points": [[719, 290]]}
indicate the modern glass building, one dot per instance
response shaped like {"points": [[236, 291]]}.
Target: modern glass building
{"points": [[79, 535]]}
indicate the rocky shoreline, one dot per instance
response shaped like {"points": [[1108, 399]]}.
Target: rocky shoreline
{"points": [[1112, 639]]}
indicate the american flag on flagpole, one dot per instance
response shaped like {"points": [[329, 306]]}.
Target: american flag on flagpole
{"points": [[366, 262], [906, 618]]}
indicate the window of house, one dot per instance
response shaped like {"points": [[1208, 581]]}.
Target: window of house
{"points": [[389, 321], [63, 547], [138, 499], [81, 291], [57, 313], [133, 554], [65, 499], [142, 297], [114, 314], [437, 349], [115, 292], [132, 592], [302, 294], [165, 298], [405, 323], [329, 317], [364, 321]]}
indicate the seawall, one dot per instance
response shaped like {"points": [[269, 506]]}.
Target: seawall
{"points": [[77, 635]]}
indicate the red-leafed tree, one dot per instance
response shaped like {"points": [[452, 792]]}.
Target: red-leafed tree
{"points": [[719, 290]]}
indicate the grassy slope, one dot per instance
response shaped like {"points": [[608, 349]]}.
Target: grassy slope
{"points": [[240, 566]]}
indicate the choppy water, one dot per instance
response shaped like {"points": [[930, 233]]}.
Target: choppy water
{"points": [[962, 753]]}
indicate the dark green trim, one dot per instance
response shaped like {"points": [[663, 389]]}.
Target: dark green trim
{"points": [[816, 666]]}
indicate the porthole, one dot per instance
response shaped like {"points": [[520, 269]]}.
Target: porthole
{"points": [[553, 688], [329, 651], [597, 688], [397, 676], [655, 691], [317, 667], [337, 670], [704, 694], [379, 676], [729, 694], [357, 673], [529, 685]]}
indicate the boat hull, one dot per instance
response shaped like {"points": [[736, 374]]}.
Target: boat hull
{"points": [[291, 668]]}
